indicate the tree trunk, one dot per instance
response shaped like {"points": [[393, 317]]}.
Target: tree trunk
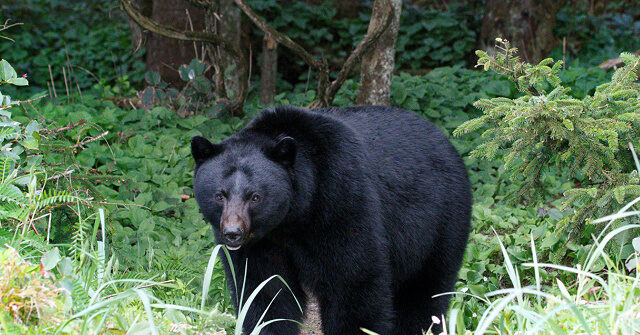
{"points": [[165, 55], [268, 70], [527, 24], [230, 30], [377, 65]]}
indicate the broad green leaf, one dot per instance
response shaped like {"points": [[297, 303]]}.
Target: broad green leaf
{"points": [[6, 71], [186, 73], [66, 267], [30, 143], [202, 84], [50, 259], [32, 127], [18, 81], [152, 77]]}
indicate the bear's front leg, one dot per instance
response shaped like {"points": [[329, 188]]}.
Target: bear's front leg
{"points": [[263, 261], [348, 306]]}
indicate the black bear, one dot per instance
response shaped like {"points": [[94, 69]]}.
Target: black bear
{"points": [[367, 208]]}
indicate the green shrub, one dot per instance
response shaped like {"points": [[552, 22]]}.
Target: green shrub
{"points": [[427, 38], [90, 39], [545, 127], [76, 289], [594, 295], [27, 293], [78, 286], [592, 39], [21, 163]]}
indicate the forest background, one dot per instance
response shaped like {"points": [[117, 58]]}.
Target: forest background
{"points": [[99, 231]]}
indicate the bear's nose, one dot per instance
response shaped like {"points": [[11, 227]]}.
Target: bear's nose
{"points": [[233, 235]]}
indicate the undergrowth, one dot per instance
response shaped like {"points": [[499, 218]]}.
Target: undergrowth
{"points": [[107, 232]]}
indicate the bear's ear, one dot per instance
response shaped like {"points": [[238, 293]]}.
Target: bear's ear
{"points": [[284, 152], [202, 149]]}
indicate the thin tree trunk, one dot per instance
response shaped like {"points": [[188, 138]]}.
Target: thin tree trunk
{"points": [[215, 52], [378, 64], [527, 24], [268, 70], [230, 30]]}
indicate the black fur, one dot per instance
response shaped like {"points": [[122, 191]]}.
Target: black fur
{"points": [[368, 208]]}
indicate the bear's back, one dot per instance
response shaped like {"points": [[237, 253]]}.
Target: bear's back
{"points": [[403, 149], [420, 178]]}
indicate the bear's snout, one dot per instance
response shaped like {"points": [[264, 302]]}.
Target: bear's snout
{"points": [[233, 236], [234, 226]]}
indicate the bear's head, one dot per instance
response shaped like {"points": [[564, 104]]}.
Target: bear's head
{"points": [[243, 185]]}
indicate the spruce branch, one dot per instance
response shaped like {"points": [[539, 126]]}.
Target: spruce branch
{"points": [[541, 130]]}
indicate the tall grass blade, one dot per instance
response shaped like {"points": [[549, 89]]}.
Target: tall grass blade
{"points": [[536, 270], [147, 307], [245, 308], [206, 284], [512, 271]]}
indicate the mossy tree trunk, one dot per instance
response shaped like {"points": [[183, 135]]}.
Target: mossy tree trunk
{"points": [[376, 69], [230, 30], [268, 70]]}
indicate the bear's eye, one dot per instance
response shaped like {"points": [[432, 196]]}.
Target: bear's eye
{"points": [[219, 197], [255, 198]]}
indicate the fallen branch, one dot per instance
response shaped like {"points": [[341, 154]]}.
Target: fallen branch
{"points": [[89, 140], [614, 63], [67, 127], [58, 176]]}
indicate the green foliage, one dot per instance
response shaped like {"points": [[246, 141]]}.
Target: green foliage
{"points": [[427, 38], [592, 295], [430, 37], [78, 285], [90, 39], [75, 289], [547, 127], [196, 97], [8, 75], [583, 80], [445, 95], [592, 39], [21, 163], [137, 164]]}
